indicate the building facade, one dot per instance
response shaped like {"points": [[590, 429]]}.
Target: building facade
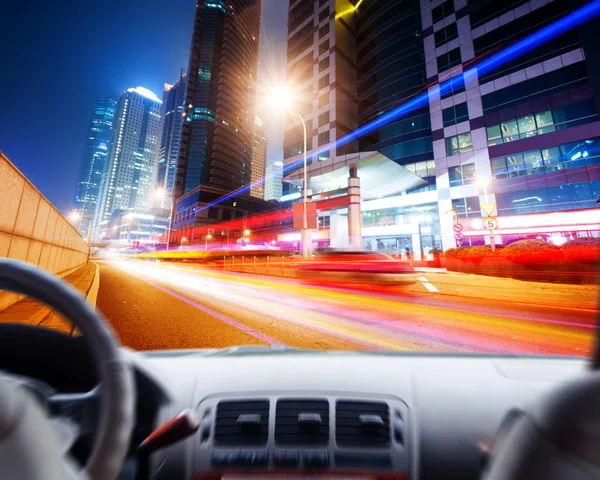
{"points": [[217, 136], [170, 135], [321, 69], [86, 195], [527, 130], [128, 170], [273, 181], [259, 160]]}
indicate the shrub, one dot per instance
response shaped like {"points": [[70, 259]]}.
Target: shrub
{"points": [[585, 249], [452, 252], [531, 251]]}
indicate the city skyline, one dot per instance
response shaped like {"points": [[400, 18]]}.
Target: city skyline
{"points": [[159, 48], [170, 136], [128, 170], [92, 166]]}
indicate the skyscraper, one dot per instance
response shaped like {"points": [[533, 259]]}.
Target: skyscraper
{"points": [[127, 178], [172, 121], [273, 181], [259, 160], [321, 68], [216, 143], [96, 149], [518, 141]]}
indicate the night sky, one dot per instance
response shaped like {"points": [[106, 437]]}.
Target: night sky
{"points": [[58, 57]]}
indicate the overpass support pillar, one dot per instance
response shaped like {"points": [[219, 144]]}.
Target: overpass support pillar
{"points": [[354, 214]]}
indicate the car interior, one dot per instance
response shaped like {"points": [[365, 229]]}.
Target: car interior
{"points": [[86, 407]]}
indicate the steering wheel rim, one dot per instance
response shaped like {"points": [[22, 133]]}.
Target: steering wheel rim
{"points": [[115, 372]]}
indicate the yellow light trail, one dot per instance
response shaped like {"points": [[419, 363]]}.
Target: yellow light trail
{"points": [[350, 10]]}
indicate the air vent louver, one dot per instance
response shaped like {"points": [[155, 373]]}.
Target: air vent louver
{"points": [[302, 422], [362, 424], [242, 422]]}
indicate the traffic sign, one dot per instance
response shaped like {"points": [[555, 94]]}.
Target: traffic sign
{"points": [[490, 223], [458, 236], [488, 208], [457, 227]]}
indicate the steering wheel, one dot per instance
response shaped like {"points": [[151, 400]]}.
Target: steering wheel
{"points": [[29, 446]]}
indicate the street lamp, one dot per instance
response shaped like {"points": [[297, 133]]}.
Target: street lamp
{"points": [[161, 194], [208, 237], [281, 98], [483, 182], [76, 216]]}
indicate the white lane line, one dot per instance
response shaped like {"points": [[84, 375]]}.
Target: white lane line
{"points": [[430, 287]]}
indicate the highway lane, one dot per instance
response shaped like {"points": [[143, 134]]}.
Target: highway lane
{"points": [[176, 306]]}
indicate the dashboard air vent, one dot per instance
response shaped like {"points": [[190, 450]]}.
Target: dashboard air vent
{"points": [[302, 422], [362, 424], [242, 422]]}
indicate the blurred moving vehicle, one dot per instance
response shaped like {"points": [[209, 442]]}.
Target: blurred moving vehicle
{"points": [[358, 265]]}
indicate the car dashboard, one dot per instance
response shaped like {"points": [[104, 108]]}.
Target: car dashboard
{"points": [[345, 414], [282, 412]]}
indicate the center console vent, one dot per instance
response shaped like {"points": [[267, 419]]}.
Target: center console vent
{"points": [[244, 422], [362, 424], [302, 422]]}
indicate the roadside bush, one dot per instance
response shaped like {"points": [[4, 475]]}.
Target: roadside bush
{"points": [[531, 251], [585, 249], [452, 252]]}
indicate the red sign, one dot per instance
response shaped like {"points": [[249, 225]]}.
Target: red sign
{"points": [[311, 215]]}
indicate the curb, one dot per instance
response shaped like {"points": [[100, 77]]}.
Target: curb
{"points": [[431, 270], [92, 294]]}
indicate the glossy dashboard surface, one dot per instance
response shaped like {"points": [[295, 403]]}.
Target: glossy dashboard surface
{"points": [[447, 409]]}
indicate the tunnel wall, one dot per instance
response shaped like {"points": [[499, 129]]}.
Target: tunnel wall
{"points": [[33, 230]]}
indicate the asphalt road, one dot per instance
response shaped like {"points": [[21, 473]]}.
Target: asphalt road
{"points": [[175, 306]]}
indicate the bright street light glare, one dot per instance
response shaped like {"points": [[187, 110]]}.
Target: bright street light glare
{"points": [[280, 98], [246, 232], [483, 182], [160, 193], [74, 216]]}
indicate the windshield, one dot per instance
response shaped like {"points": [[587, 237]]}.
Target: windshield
{"points": [[316, 174]]}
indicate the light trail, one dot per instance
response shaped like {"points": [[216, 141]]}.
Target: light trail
{"points": [[368, 321], [512, 52]]}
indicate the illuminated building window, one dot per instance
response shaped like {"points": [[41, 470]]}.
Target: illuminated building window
{"points": [[459, 144]]}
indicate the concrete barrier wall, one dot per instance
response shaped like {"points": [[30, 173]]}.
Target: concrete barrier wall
{"points": [[32, 230]]}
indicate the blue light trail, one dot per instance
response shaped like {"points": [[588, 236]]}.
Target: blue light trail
{"points": [[519, 48]]}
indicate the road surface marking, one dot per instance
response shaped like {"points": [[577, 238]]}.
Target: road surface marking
{"points": [[430, 287]]}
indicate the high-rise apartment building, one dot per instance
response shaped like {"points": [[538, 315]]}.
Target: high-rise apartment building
{"points": [[127, 177], [273, 181], [527, 128], [259, 160], [215, 154], [321, 69], [170, 135], [86, 195], [216, 143]]}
